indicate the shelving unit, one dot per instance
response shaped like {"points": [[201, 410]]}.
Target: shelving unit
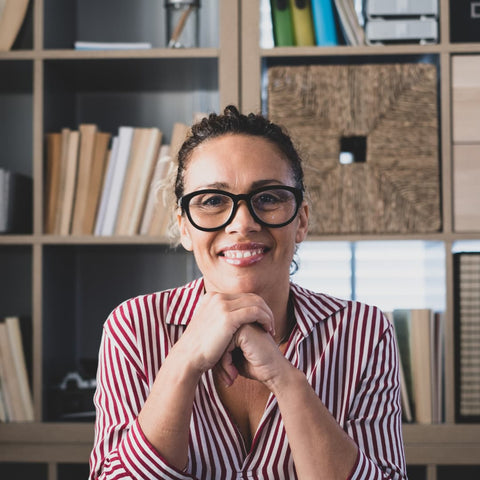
{"points": [[68, 285], [433, 452], [59, 283]]}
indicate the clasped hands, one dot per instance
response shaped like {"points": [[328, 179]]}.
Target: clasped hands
{"points": [[234, 334]]}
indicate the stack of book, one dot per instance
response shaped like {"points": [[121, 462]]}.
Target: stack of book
{"points": [[467, 336], [99, 184], [390, 21], [315, 22], [16, 401], [419, 335]]}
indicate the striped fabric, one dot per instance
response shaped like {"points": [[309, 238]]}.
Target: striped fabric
{"points": [[346, 350]]}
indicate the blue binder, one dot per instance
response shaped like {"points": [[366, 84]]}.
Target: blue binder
{"points": [[324, 23]]}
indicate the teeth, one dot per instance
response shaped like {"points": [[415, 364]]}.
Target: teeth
{"points": [[242, 253]]}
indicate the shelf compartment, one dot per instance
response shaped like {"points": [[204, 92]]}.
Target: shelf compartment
{"points": [[136, 92], [82, 285], [16, 112], [16, 281], [66, 21]]}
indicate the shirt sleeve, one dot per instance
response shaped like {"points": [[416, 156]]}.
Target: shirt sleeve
{"points": [[375, 419], [121, 450]]}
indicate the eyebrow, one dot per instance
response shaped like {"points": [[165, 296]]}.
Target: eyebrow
{"points": [[257, 184]]}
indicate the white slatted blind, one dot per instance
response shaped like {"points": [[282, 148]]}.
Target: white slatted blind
{"points": [[390, 274]]}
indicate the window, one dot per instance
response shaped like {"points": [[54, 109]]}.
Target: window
{"points": [[390, 274]]}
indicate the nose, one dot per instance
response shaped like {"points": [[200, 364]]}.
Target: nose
{"points": [[242, 221]]}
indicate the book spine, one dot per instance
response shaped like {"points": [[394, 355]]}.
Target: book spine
{"points": [[324, 23], [282, 23], [302, 23]]}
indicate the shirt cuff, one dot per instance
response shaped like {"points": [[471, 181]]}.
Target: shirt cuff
{"points": [[141, 459]]}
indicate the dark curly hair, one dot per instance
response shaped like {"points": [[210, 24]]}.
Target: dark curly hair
{"points": [[233, 122]]}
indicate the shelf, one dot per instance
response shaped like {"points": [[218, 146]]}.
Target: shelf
{"points": [[425, 444]]}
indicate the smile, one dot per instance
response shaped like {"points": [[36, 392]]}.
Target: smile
{"points": [[242, 253]]}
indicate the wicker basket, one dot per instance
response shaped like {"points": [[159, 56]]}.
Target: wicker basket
{"points": [[394, 108]]}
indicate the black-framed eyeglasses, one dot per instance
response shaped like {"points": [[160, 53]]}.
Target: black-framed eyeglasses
{"points": [[272, 206]]}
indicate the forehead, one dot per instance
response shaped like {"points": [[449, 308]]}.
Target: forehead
{"points": [[237, 159]]}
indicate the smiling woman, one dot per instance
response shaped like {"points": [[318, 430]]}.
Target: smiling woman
{"points": [[242, 373]]}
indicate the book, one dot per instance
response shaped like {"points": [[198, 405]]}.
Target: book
{"points": [[266, 27], [122, 156], [106, 187], [349, 23], [15, 385], [60, 193], [85, 162], [324, 23], [401, 323], [83, 45], [302, 23], [145, 178], [69, 180], [14, 335], [422, 354], [407, 414], [12, 15], [162, 212], [419, 335], [16, 207], [52, 179], [282, 23], [100, 157], [154, 214], [144, 152]]}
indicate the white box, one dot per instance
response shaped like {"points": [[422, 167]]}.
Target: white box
{"points": [[424, 30], [381, 8]]}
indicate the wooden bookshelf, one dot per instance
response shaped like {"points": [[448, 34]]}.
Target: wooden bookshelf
{"points": [[430, 447], [57, 281]]}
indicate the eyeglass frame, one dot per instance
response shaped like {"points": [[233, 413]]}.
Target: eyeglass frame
{"points": [[184, 203]]}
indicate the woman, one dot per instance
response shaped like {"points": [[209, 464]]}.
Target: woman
{"points": [[243, 374]]}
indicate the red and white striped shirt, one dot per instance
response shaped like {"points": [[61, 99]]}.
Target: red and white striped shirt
{"points": [[346, 350]]}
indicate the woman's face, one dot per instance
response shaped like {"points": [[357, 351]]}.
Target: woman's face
{"points": [[244, 256]]}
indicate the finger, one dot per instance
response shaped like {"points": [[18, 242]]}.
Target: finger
{"points": [[227, 370], [250, 308]]}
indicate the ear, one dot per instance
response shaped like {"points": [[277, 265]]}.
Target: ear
{"points": [[185, 238], [302, 228]]}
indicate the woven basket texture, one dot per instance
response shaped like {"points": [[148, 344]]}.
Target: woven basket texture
{"points": [[397, 188]]}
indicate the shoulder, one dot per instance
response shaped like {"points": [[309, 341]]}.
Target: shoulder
{"points": [[153, 309], [336, 313]]}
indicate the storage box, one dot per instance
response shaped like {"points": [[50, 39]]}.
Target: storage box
{"points": [[466, 187], [393, 186], [466, 98]]}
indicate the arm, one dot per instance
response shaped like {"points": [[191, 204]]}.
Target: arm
{"points": [[158, 439], [373, 447], [121, 450]]}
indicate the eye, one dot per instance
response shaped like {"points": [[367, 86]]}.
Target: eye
{"points": [[210, 201], [269, 199]]}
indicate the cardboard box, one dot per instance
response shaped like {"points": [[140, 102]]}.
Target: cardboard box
{"points": [[466, 98], [466, 187]]}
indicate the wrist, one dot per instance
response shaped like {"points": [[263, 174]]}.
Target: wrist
{"points": [[287, 378]]}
